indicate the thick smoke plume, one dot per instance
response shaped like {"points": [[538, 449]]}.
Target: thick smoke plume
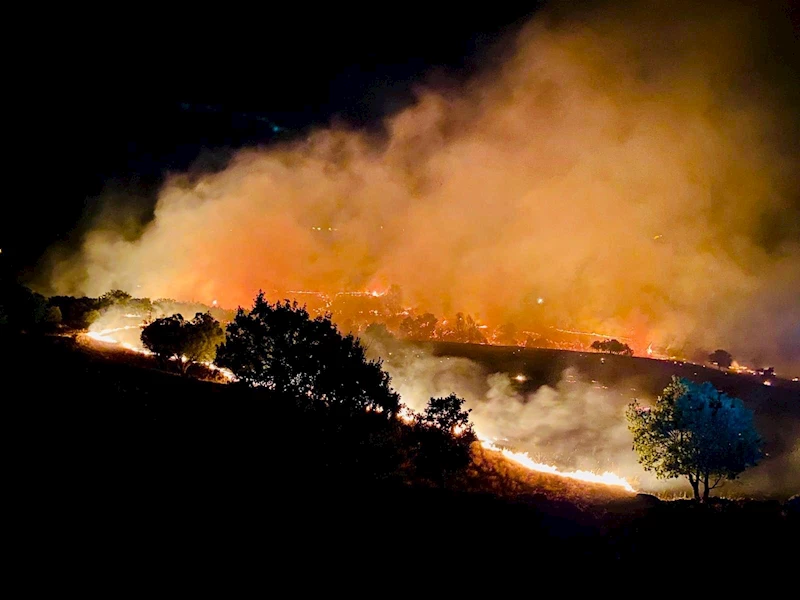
{"points": [[576, 424], [634, 167]]}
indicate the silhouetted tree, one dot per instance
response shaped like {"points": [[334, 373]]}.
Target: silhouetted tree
{"points": [[77, 313], [444, 438], [613, 347], [464, 330], [113, 297], [22, 308], [697, 432], [507, 334], [421, 327], [204, 334], [379, 332], [426, 326], [408, 328], [53, 316], [721, 358], [393, 300], [447, 414], [279, 346], [185, 342]]}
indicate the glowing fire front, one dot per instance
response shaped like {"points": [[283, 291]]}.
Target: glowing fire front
{"points": [[105, 337], [522, 458], [406, 415]]}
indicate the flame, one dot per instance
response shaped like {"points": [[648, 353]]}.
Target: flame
{"points": [[522, 458], [105, 337], [592, 334], [408, 416]]}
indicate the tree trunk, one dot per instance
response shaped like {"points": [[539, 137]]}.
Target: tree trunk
{"points": [[705, 488], [695, 481]]}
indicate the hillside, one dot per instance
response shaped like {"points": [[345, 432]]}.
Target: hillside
{"points": [[614, 381], [107, 449]]}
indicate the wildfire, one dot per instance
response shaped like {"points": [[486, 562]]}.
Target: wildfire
{"points": [[407, 415], [105, 336], [590, 333], [522, 458]]}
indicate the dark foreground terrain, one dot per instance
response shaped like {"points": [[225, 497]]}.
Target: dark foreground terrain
{"points": [[115, 464]]}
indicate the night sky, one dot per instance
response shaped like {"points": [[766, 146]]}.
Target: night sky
{"points": [[113, 102]]}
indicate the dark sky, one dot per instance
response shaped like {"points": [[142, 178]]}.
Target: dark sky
{"points": [[115, 101]]}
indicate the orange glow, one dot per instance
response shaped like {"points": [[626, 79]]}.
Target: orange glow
{"points": [[545, 193], [104, 336], [522, 458]]}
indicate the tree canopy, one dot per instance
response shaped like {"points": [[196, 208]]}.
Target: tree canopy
{"points": [[421, 327], [185, 342], [21, 309], [613, 347], [721, 358], [695, 431], [444, 437], [281, 347]]}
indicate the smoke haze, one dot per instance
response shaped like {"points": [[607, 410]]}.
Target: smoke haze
{"points": [[578, 423], [633, 166]]}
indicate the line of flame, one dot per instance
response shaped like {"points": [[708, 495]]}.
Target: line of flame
{"points": [[521, 458], [103, 336], [524, 460]]}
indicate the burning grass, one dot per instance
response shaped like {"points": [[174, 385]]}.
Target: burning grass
{"points": [[493, 473]]}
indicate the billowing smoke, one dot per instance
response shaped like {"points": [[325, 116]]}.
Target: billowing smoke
{"points": [[578, 423], [635, 167], [575, 425]]}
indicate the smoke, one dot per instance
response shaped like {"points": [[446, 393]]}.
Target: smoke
{"points": [[578, 423], [574, 425], [635, 166]]}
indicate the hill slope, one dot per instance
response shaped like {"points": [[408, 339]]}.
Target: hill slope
{"points": [[130, 459]]}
